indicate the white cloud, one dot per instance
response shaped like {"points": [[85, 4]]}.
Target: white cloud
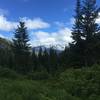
{"points": [[98, 20], [6, 25], [61, 37], [36, 23], [32, 24]]}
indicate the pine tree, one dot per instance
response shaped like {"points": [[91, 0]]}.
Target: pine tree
{"points": [[34, 60], [89, 15], [40, 59], [53, 64], [21, 48], [90, 30], [76, 47], [84, 33], [76, 31], [46, 59]]}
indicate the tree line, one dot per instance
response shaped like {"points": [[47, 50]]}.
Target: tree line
{"points": [[82, 52], [23, 58]]}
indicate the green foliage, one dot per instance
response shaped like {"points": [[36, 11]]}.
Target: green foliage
{"points": [[83, 83], [31, 90], [8, 73], [76, 33], [6, 55], [72, 84], [85, 34], [83, 51], [42, 80], [41, 75], [21, 49]]}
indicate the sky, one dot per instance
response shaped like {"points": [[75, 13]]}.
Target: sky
{"points": [[48, 22]]}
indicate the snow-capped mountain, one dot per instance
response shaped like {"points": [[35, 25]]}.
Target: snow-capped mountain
{"points": [[57, 48]]}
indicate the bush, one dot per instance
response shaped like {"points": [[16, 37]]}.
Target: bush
{"points": [[38, 75], [8, 73]]}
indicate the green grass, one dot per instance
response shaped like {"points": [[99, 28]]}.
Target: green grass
{"points": [[73, 84]]}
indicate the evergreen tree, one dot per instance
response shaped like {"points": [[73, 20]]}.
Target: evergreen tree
{"points": [[76, 32], [90, 30], [46, 59], [65, 57], [6, 55], [40, 59], [34, 60], [21, 48], [76, 47], [53, 64], [89, 15], [84, 33]]}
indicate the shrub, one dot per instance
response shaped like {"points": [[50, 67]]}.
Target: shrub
{"points": [[8, 73], [38, 75]]}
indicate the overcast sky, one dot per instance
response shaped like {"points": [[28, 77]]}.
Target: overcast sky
{"points": [[48, 21]]}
